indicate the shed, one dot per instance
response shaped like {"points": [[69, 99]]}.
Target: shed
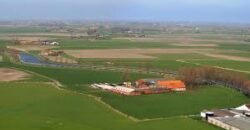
{"points": [[175, 85]]}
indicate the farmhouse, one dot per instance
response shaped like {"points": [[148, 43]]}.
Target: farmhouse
{"points": [[229, 119]]}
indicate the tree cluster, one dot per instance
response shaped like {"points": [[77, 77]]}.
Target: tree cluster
{"points": [[210, 75]]}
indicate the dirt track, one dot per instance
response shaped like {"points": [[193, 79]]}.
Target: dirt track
{"points": [[7, 74]]}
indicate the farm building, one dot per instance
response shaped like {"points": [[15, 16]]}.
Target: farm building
{"points": [[244, 108], [46, 42], [173, 85], [102, 86], [116, 89], [124, 91], [143, 86], [145, 83], [229, 119]]}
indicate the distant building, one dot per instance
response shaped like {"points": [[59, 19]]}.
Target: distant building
{"points": [[229, 119], [46, 42]]}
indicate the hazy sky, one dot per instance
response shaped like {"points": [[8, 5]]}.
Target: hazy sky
{"points": [[150, 10]]}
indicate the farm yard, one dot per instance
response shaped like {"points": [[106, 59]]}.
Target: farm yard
{"points": [[60, 97]]}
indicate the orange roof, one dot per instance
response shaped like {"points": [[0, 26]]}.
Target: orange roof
{"points": [[172, 84]]}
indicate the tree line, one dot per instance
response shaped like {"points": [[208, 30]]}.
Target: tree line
{"points": [[209, 75]]}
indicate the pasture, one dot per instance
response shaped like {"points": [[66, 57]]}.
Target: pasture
{"points": [[175, 104], [35, 106], [143, 107]]}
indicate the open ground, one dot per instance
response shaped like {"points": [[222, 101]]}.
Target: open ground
{"points": [[7, 74]]}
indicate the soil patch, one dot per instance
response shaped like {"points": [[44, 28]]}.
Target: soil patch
{"points": [[129, 53], [7, 74]]}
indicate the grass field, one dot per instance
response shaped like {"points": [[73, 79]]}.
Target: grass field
{"points": [[34, 106], [237, 65], [165, 62], [108, 44], [175, 104], [71, 77], [164, 105]]}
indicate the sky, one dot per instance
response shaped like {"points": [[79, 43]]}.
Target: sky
{"points": [[130, 10]]}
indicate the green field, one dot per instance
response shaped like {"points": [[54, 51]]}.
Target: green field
{"points": [[154, 106], [71, 77], [166, 62], [176, 104], [108, 44], [34, 106], [237, 65]]}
